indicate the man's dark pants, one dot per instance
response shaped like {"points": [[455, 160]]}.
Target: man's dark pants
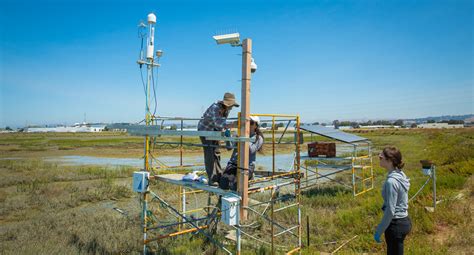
{"points": [[212, 159]]}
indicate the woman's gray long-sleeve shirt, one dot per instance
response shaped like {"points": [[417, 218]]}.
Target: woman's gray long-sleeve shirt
{"points": [[253, 149], [395, 198]]}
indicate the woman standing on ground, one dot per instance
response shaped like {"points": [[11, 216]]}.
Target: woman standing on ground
{"points": [[395, 222]]}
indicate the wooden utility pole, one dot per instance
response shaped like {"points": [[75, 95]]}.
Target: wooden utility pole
{"points": [[245, 126]]}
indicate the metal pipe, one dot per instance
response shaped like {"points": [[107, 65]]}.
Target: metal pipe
{"points": [[183, 205], [298, 168], [284, 131], [163, 202], [180, 205], [274, 115], [294, 250], [272, 222], [257, 190], [285, 207], [353, 172], [273, 146], [181, 147], [263, 179], [286, 230], [177, 223], [307, 229], [175, 234], [433, 172], [269, 201]]}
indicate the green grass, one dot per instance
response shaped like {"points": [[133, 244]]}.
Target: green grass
{"points": [[46, 208]]}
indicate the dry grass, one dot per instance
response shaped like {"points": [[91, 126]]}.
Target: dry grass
{"points": [[47, 208]]}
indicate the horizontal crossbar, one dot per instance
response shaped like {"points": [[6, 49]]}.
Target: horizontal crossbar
{"points": [[154, 130]]}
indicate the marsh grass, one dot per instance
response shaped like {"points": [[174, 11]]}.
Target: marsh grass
{"points": [[46, 208]]}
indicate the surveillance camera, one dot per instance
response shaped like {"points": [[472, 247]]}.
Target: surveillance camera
{"points": [[253, 66], [232, 39]]}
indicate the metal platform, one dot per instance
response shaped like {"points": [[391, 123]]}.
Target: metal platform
{"points": [[177, 179]]}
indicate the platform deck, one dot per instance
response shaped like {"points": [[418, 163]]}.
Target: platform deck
{"points": [[177, 179]]}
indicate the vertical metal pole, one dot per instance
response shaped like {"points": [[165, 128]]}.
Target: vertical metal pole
{"points": [[183, 203], [307, 229], [181, 147], [272, 203], [306, 171], [434, 185], [371, 167], [180, 206], [298, 184], [273, 220], [147, 158], [273, 146], [182, 191], [238, 235], [353, 172], [316, 169], [245, 122]]}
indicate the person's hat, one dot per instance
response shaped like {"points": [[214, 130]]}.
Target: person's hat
{"points": [[229, 100], [255, 119]]}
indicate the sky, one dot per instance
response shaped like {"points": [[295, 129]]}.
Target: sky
{"points": [[61, 61]]}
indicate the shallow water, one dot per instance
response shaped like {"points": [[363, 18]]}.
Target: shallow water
{"points": [[282, 161]]}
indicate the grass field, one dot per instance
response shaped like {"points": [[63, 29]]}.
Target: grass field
{"points": [[47, 208]]}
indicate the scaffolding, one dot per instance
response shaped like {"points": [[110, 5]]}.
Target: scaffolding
{"points": [[274, 194], [270, 203], [354, 156]]}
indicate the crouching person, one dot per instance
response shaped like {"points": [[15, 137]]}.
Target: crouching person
{"points": [[229, 177]]}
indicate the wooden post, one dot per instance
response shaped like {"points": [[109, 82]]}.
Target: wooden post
{"points": [[245, 125]]}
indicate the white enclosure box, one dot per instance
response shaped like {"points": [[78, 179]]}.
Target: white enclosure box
{"points": [[230, 210], [140, 181], [427, 171]]}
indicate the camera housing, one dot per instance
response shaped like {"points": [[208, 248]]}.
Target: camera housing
{"points": [[253, 66], [232, 39]]}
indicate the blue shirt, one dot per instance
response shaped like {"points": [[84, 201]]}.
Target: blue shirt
{"points": [[213, 118]]}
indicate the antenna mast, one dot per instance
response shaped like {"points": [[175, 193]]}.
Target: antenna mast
{"points": [[150, 64]]}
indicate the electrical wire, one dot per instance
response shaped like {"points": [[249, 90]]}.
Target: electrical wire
{"points": [[140, 56], [155, 85], [143, 81], [416, 194]]}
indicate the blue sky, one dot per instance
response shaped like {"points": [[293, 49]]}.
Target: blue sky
{"points": [[324, 60]]}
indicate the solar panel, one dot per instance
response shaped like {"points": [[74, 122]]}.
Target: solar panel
{"points": [[332, 133]]}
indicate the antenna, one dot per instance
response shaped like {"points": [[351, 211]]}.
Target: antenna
{"points": [[149, 61]]}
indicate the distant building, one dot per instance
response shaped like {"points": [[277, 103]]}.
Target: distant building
{"points": [[97, 127], [77, 128], [440, 125], [6, 131]]}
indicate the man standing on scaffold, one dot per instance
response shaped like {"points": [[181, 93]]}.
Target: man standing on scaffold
{"points": [[214, 119]]}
